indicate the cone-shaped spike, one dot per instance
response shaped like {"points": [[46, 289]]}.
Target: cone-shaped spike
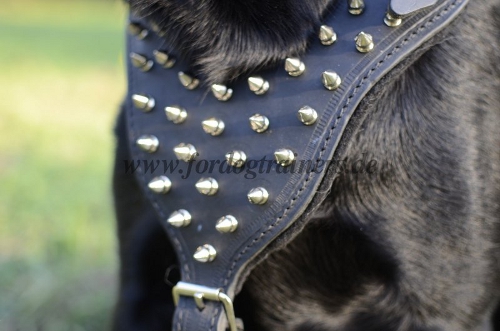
{"points": [[222, 92], [331, 80], [148, 143], [213, 126], [356, 7], [140, 61], [143, 102], [205, 253], [236, 158], [138, 31], [258, 196], [284, 157], [160, 185], [176, 114], [259, 123], [226, 224], [188, 81], [326, 35], [185, 152], [207, 186], [258, 85], [294, 66], [179, 218], [163, 59], [307, 115], [364, 42], [391, 20]]}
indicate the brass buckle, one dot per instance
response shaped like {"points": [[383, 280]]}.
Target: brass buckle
{"points": [[199, 293]]}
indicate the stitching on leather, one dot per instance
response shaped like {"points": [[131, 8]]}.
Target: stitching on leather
{"points": [[212, 322], [179, 321], [388, 55], [152, 198]]}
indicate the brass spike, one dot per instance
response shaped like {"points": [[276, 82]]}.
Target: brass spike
{"points": [[364, 42], [213, 126], [222, 92], [148, 143], [143, 102], [284, 157], [259, 123], [138, 31], [307, 115], [205, 253], [391, 20], [185, 152], [326, 35], [207, 186], [160, 185], [180, 218], [258, 85], [176, 114], [226, 224], [294, 66], [356, 7], [141, 62], [331, 80], [163, 59], [258, 196], [236, 158], [188, 81]]}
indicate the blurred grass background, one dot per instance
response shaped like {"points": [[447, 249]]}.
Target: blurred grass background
{"points": [[61, 81]]}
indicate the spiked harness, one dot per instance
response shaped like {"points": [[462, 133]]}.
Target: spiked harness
{"points": [[236, 171]]}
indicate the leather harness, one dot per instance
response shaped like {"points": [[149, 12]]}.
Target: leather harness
{"points": [[283, 195]]}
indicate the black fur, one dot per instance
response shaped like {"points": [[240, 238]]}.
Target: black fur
{"points": [[413, 247]]}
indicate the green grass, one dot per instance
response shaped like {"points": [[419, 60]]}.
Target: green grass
{"points": [[61, 83]]}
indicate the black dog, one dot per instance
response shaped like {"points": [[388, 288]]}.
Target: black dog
{"points": [[416, 247]]}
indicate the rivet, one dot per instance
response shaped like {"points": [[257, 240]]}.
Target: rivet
{"points": [[185, 152], [331, 80], [163, 59], [258, 196], [205, 253], [160, 185], [364, 42], [307, 115], [180, 218], [326, 35], [176, 114], [207, 186], [141, 62], [236, 158], [213, 126], [221, 92], [294, 66], [258, 85], [188, 81], [226, 224], [138, 31], [284, 157], [259, 123], [143, 102], [356, 7], [148, 143], [391, 20]]}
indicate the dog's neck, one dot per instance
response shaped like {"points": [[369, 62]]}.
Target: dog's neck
{"points": [[223, 39]]}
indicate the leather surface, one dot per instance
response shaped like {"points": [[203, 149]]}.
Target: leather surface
{"points": [[290, 193]]}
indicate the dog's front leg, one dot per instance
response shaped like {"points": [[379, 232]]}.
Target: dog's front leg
{"points": [[144, 300]]}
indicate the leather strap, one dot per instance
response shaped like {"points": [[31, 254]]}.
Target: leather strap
{"points": [[289, 193]]}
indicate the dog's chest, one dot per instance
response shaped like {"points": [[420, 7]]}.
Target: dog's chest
{"points": [[229, 169]]}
